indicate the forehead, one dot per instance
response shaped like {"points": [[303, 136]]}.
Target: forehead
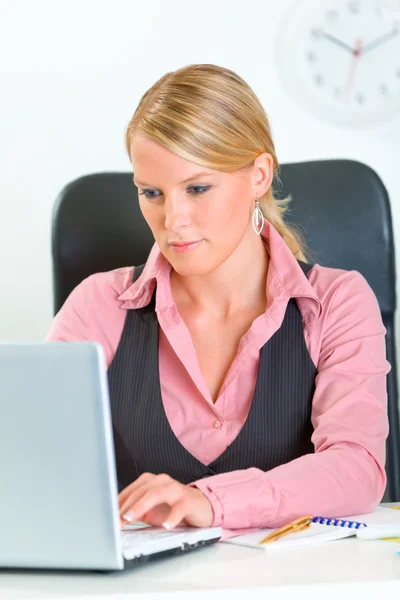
{"points": [[149, 157], [154, 163]]}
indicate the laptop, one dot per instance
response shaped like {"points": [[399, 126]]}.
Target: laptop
{"points": [[59, 493]]}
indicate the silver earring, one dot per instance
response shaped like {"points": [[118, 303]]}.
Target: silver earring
{"points": [[258, 219]]}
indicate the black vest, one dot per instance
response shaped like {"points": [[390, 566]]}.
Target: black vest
{"points": [[278, 428]]}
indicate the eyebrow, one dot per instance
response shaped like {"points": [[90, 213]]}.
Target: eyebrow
{"points": [[195, 176]]}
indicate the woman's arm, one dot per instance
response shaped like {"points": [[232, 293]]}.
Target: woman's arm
{"points": [[346, 474], [71, 323], [92, 311]]}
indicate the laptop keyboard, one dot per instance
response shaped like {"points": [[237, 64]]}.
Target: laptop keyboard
{"points": [[150, 540]]}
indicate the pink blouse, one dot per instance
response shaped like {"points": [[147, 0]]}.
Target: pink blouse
{"points": [[345, 337]]}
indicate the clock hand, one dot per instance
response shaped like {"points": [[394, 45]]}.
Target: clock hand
{"points": [[330, 37], [356, 53], [381, 40]]}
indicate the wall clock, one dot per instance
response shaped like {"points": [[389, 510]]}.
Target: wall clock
{"points": [[340, 59]]}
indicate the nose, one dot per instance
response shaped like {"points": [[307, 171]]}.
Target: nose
{"points": [[177, 215]]}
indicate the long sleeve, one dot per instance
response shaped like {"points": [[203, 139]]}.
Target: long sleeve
{"points": [[71, 323], [345, 475], [92, 311]]}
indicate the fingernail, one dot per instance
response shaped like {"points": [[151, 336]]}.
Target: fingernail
{"points": [[167, 525], [129, 516]]}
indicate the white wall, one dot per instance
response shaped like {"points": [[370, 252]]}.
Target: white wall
{"points": [[71, 75]]}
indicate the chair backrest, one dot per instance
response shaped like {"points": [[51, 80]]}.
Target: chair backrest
{"points": [[341, 206]]}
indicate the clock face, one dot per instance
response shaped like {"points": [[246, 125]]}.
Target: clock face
{"points": [[341, 58]]}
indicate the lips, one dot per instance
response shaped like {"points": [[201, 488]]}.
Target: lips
{"points": [[184, 243], [185, 246]]}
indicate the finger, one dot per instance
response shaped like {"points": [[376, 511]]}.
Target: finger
{"points": [[168, 494], [124, 494], [144, 478], [177, 514], [154, 517], [149, 483], [125, 510], [140, 481]]}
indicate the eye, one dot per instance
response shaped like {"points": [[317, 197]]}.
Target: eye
{"points": [[196, 191], [147, 194], [200, 189]]}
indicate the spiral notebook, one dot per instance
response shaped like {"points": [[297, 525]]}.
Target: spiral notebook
{"points": [[320, 530]]}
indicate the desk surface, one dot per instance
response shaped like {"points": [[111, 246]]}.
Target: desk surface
{"points": [[344, 568]]}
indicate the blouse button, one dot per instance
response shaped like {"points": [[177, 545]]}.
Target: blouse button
{"points": [[217, 424]]}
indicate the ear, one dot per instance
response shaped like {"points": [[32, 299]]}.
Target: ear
{"points": [[263, 173]]}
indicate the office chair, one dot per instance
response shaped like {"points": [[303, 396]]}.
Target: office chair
{"points": [[341, 206]]}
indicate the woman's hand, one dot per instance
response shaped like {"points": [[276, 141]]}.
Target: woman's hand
{"points": [[160, 500]]}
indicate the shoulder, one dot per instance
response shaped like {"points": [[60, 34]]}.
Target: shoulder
{"points": [[108, 284], [350, 322], [92, 310], [339, 286]]}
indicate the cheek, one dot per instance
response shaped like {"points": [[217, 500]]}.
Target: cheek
{"points": [[232, 214], [151, 215]]}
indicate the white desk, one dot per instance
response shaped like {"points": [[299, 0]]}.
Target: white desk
{"points": [[346, 568]]}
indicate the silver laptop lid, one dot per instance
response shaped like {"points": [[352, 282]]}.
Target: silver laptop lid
{"points": [[59, 495]]}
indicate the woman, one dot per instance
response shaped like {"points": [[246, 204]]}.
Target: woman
{"points": [[247, 386]]}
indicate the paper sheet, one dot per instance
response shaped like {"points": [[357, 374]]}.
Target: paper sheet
{"points": [[316, 533]]}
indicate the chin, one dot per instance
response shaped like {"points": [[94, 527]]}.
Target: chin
{"points": [[189, 268]]}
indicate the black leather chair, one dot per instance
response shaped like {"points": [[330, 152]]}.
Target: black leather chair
{"points": [[341, 206]]}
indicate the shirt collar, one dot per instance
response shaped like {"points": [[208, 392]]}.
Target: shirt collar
{"points": [[284, 271], [285, 279], [156, 271]]}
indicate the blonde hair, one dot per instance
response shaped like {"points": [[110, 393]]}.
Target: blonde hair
{"points": [[209, 115]]}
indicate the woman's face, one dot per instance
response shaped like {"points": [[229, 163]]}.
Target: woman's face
{"points": [[212, 209]]}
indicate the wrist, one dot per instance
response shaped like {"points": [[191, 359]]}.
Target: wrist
{"points": [[215, 504]]}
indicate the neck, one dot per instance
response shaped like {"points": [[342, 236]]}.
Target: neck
{"points": [[237, 284]]}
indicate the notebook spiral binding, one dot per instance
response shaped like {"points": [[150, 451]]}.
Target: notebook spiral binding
{"points": [[339, 522]]}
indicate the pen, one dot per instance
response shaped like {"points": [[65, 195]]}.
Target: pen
{"points": [[296, 525]]}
